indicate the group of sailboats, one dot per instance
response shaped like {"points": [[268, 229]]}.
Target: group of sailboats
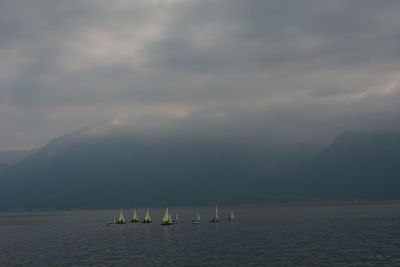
{"points": [[167, 218]]}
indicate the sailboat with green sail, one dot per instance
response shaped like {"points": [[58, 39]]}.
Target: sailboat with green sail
{"points": [[121, 218], [135, 218], [147, 217], [166, 220]]}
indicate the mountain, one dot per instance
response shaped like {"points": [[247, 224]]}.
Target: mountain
{"points": [[3, 170], [355, 166], [82, 170], [11, 157], [123, 170]]}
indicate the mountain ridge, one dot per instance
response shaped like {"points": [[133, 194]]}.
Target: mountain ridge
{"points": [[79, 170]]}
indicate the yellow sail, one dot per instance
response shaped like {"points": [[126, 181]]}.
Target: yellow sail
{"points": [[121, 217], [147, 217], [167, 217], [135, 217]]}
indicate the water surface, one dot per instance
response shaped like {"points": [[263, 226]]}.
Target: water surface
{"points": [[331, 235]]}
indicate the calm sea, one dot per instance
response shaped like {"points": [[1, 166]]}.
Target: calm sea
{"points": [[331, 235]]}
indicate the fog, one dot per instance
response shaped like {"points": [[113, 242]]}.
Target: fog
{"points": [[268, 72]]}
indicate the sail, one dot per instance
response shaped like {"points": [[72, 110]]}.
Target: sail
{"points": [[134, 217], [121, 217], [232, 215], [216, 213], [198, 217], [147, 216], [166, 217]]}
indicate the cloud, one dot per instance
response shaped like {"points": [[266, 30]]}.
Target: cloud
{"points": [[260, 71]]}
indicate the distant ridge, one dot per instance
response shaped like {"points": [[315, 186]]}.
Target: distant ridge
{"points": [[92, 171], [11, 157], [356, 165], [3, 169]]}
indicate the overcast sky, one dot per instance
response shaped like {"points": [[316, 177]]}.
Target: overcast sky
{"points": [[260, 71]]}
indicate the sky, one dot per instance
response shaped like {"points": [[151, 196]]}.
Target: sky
{"points": [[249, 71]]}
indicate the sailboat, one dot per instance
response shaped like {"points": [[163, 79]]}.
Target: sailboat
{"points": [[166, 220], [232, 216], [196, 220], [176, 218], [135, 218], [147, 218], [216, 219], [121, 218]]}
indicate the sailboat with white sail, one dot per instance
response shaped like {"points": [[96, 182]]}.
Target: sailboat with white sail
{"points": [[176, 218], [166, 220], [231, 216], [216, 218], [147, 217], [121, 218], [135, 218], [196, 220]]}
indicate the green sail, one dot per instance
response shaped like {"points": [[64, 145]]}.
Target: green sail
{"points": [[134, 217], [167, 217], [121, 217], [147, 217]]}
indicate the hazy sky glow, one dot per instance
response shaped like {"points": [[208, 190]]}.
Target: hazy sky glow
{"points": [[260, 71]]}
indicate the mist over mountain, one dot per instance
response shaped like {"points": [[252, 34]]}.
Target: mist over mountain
{"points": [[10, 157], [3, 169], [85, 170], [357, 165]]}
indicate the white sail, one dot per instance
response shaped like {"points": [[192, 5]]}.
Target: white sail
{"points": [[232, 215], [166, 220], [166, 215], [147, 217], [216, 213], [198, 217], [134, 216]]}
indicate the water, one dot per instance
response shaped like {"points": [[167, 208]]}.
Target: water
{"points": [[341, 235]]}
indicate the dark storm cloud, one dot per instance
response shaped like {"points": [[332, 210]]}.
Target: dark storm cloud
{"points": [[262, 71]]}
